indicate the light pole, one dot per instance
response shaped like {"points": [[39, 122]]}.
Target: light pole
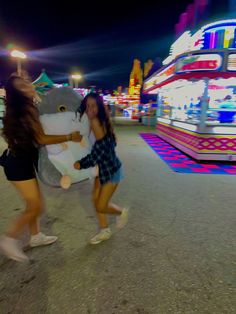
{"points": [[19, 56], [76, 78]]}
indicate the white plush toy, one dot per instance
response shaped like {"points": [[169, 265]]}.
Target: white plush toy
{"points": [[63, 156]]}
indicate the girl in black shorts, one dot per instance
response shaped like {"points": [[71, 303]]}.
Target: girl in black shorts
{"points": [[23, 134]]}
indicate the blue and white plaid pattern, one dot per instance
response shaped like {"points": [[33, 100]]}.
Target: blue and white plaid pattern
{"points": [[103, 154]]}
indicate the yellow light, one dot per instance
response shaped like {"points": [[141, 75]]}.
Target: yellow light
{"points": [[76, 76], [229, 34], [18, 54]]}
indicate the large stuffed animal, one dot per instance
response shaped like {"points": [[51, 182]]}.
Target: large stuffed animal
{"points": [[58, 117]]}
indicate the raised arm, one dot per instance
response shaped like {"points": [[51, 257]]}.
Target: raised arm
{"points": [[45, 139]]}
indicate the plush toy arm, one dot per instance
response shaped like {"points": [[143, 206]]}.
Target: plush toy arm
{"points": [[55, 149]]}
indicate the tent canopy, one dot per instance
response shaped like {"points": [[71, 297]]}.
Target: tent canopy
{"points": [[43, 83]]}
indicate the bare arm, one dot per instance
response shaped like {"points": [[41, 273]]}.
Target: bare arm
{"points": [[97, 129], [97, 152], [45, 139]]}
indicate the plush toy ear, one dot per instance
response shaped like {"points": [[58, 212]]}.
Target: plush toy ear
{"points": [[47, 173]]}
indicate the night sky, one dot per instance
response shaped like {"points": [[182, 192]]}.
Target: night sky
{"points": [[98, 39]]}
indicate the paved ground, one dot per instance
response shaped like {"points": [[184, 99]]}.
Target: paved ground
{"points": [[177, 255]]}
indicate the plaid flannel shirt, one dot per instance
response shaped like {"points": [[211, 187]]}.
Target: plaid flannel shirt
{"points": [[103, 154]]}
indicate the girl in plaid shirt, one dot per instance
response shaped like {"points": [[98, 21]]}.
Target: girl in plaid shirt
{"points": [[110, 168]]}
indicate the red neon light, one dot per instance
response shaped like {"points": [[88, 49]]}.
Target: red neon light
{"points": [[205, 64], [198, 42]]}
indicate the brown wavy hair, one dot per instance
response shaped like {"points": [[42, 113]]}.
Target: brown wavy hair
{"points": [[103, 116], [21, 118]]}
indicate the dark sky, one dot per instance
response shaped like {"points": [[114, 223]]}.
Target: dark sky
{"points": [[99, 39]]}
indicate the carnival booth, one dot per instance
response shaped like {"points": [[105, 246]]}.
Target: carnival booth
{"points": [[196, 91]]}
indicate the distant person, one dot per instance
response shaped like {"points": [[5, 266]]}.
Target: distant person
{"points": [[140, 108], [107, 107], [113, 113], [23, 134], [111, 110], [110, 168]]}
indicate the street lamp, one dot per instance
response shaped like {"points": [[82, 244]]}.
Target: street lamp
{"points": [[19, 56], [76, 77]]}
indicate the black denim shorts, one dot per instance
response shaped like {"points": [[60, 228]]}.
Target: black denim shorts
{"points": [[19, 167]]}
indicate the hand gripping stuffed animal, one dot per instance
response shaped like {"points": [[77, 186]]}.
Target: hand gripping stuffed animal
{"points": [[58, 117]]}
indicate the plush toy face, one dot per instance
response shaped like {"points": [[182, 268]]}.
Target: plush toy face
{"points": [[60, 100]]}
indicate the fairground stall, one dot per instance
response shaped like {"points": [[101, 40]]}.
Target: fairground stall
{"points": [[196, 91], [126, 105]]}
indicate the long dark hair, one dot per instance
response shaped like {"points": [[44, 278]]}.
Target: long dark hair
{"points": [[103, 116], [21, 118]]}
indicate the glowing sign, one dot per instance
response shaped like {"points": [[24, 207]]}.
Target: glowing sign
{"points": [[217, 35], [232, 62], [160, 77], [204, 62], [220, 34]]}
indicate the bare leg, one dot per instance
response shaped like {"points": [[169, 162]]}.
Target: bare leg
{"points": [[102, 196], [114, 209], [30, 192], [103, 206], [102, 218]]}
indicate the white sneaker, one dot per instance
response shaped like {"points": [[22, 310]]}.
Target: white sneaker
{"points": [[103, 235], [41, 239], [122, 219], [10, 247]]}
